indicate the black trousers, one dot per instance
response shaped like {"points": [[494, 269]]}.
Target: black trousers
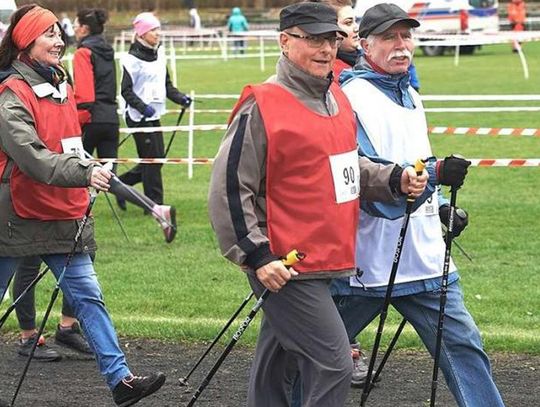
{"points": [[149, 145], [26, 308], [102, 137]]}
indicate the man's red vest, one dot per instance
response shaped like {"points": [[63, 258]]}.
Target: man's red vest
{"points": [[53, 122], [302, 212]]}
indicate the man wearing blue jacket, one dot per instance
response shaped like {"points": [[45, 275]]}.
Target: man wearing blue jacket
{"points": [[392, 127]]}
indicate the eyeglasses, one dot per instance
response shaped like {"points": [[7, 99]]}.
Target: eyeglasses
{"points": [[317, 41]]}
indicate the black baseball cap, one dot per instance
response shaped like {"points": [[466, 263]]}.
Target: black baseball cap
{"points": [[313, 18], [381, 17]]}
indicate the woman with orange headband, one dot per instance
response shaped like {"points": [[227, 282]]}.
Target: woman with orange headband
{"points": [[43, 186]]}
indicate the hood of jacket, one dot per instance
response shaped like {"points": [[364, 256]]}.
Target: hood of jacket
{"points": [[98, 45], [141, 51]]}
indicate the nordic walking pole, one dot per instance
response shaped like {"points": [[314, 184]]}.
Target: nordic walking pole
{"points": [[32, 284], [291, 258], [116, 217], [461, 214], [184, 380], [444, 289], [389, 350], [174, 132], [419, 168], [55, 292]]}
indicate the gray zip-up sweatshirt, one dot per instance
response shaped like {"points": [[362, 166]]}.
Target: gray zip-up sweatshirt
{"points": [[237, 207]]}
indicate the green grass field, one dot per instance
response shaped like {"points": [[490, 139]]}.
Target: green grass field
{"points": [[187, 291]]}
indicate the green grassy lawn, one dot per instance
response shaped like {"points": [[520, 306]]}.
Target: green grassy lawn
{"points": [[187, 291]]}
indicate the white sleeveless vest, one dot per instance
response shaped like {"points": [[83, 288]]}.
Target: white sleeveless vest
{"points": [[148, 83], [400, 135]]}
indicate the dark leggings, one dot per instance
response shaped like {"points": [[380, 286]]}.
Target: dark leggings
{"points": [[149, 145], [26, 309]]}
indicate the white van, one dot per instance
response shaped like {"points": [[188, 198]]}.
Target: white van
{"points": [[445, 17], [6, 8]]}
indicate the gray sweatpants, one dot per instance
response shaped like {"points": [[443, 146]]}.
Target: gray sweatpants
{"points": [[301, 331]]}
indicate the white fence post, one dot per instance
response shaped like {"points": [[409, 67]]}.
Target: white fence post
{"points": [[173, 63], [190, 134], [261, 46]]}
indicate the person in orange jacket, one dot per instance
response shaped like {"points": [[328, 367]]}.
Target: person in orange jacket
{"points": [[517, 13]]}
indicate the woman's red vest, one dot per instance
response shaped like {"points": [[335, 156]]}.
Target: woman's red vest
{"points": [[302, 212], [53, 122]]}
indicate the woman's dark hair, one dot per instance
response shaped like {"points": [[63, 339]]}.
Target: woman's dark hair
{"points": [[8, 49], [94, 18]]}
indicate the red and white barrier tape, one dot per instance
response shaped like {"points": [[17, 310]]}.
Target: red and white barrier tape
{"points": [[471, 131], [485, 131], [476, 162], [505, 162]]}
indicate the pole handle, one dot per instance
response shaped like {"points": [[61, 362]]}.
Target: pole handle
{"points": [[419, 166], [293, 257]]}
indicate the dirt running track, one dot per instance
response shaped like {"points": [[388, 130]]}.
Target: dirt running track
{"points": [[71, 382]]}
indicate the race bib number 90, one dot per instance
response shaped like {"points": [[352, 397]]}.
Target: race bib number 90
{"points": [[73, 145], [346, 176]]}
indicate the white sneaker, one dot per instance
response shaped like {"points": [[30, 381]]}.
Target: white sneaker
{"points": [[360, 367], [166, 216]]}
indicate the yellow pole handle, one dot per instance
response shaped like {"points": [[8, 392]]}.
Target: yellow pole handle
{"points": [[419, 166], [293, 257]]}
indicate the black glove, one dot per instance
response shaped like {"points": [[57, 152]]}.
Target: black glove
{"points": [[148, 111], [461, 218], [185, 101], [452, 170]]}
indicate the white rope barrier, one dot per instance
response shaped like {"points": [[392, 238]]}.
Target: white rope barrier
{"points": [[482, 109], [438, 98], [201, 127], [452, 98]]}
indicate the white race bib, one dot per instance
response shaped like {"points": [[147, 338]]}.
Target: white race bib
{"points": [[153, 93], [73, 145], [346, 176], [428, 208]]}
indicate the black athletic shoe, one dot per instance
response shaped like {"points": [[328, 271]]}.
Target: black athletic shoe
{"points": [[134, 388], [43, 353], [72, 338]]}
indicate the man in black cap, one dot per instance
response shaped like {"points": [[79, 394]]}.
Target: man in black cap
{"points": [[287, 176], [392, 128]]}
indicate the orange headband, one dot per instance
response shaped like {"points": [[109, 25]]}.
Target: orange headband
{"points": [[32, 25]]}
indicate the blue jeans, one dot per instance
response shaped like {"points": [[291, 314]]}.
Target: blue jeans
{"points": [[82, 291], [463, 362]]}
